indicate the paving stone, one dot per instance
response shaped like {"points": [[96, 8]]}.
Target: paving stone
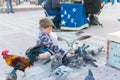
{"points": [[19, 31]]}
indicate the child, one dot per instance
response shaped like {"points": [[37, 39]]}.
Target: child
{"points": [[45, 40]]}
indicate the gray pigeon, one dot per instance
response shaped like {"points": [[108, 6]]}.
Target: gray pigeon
{"points": [[90, 75], [70, 44], [79, 32], [11, 76], [61, 72], [96, 51], [75, 63], [56, 62]]}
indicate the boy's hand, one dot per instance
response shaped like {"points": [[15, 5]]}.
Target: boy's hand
{"points": [[68, 55]]}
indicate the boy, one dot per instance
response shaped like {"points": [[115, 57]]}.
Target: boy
{"points": [[45, 40]]}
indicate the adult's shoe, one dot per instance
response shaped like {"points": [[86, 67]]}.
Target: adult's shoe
{"points": [[12, 12]]}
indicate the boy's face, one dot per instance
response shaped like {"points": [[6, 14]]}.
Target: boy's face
{"points": [[47, 30]]}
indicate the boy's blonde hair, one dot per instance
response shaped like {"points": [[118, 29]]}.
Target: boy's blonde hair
{"points": [[45, 23]]}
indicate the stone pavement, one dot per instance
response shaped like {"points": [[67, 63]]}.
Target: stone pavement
{"points": [[26, 6], [19, 31]]}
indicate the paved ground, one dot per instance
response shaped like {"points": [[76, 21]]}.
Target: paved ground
{"points": [[19, 31], [26, 6]]}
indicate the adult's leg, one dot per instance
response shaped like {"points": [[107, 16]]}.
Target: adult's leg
{"points": [[89, 13], [11, 7], [89, 9], [57, 17], [7, 5], [92, 20], [56, 20]]}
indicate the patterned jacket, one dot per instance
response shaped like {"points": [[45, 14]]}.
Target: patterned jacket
{"points": [[45, 40]]}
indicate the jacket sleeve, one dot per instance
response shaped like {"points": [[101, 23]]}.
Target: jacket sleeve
{"points": [[49, 44]]}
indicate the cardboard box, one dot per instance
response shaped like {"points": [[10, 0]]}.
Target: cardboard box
{"points": [[113, 49]]}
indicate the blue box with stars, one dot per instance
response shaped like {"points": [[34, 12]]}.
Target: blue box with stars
{"points": [[73, 16]]}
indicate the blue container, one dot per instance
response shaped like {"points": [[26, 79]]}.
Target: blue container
{"points": [[73, 17]]}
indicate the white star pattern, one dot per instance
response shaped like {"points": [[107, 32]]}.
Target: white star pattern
{"points": [[74, 9], [62, 8], [72, 20], [65, 12], [69, 16], [75, 24], [63, 22], [72, 17], [62, 15]]}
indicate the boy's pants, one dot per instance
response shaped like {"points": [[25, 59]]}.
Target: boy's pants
{"points": [[44, 50]]}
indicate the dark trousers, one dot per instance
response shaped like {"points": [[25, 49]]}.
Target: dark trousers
{"points": [[9, 6], [57, 16]]}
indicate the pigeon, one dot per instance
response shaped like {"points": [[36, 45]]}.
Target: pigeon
{"points": [[96, 51], [81, 51], [56, 62], [70, 44], [72, 61], [90, 60], [90, 75], [61, 72], [75, 63], [79, 32], [84, 54], [12, 75]]}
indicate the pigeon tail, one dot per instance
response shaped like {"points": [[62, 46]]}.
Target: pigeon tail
{"points": [[90, 75], [90, 72]]}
